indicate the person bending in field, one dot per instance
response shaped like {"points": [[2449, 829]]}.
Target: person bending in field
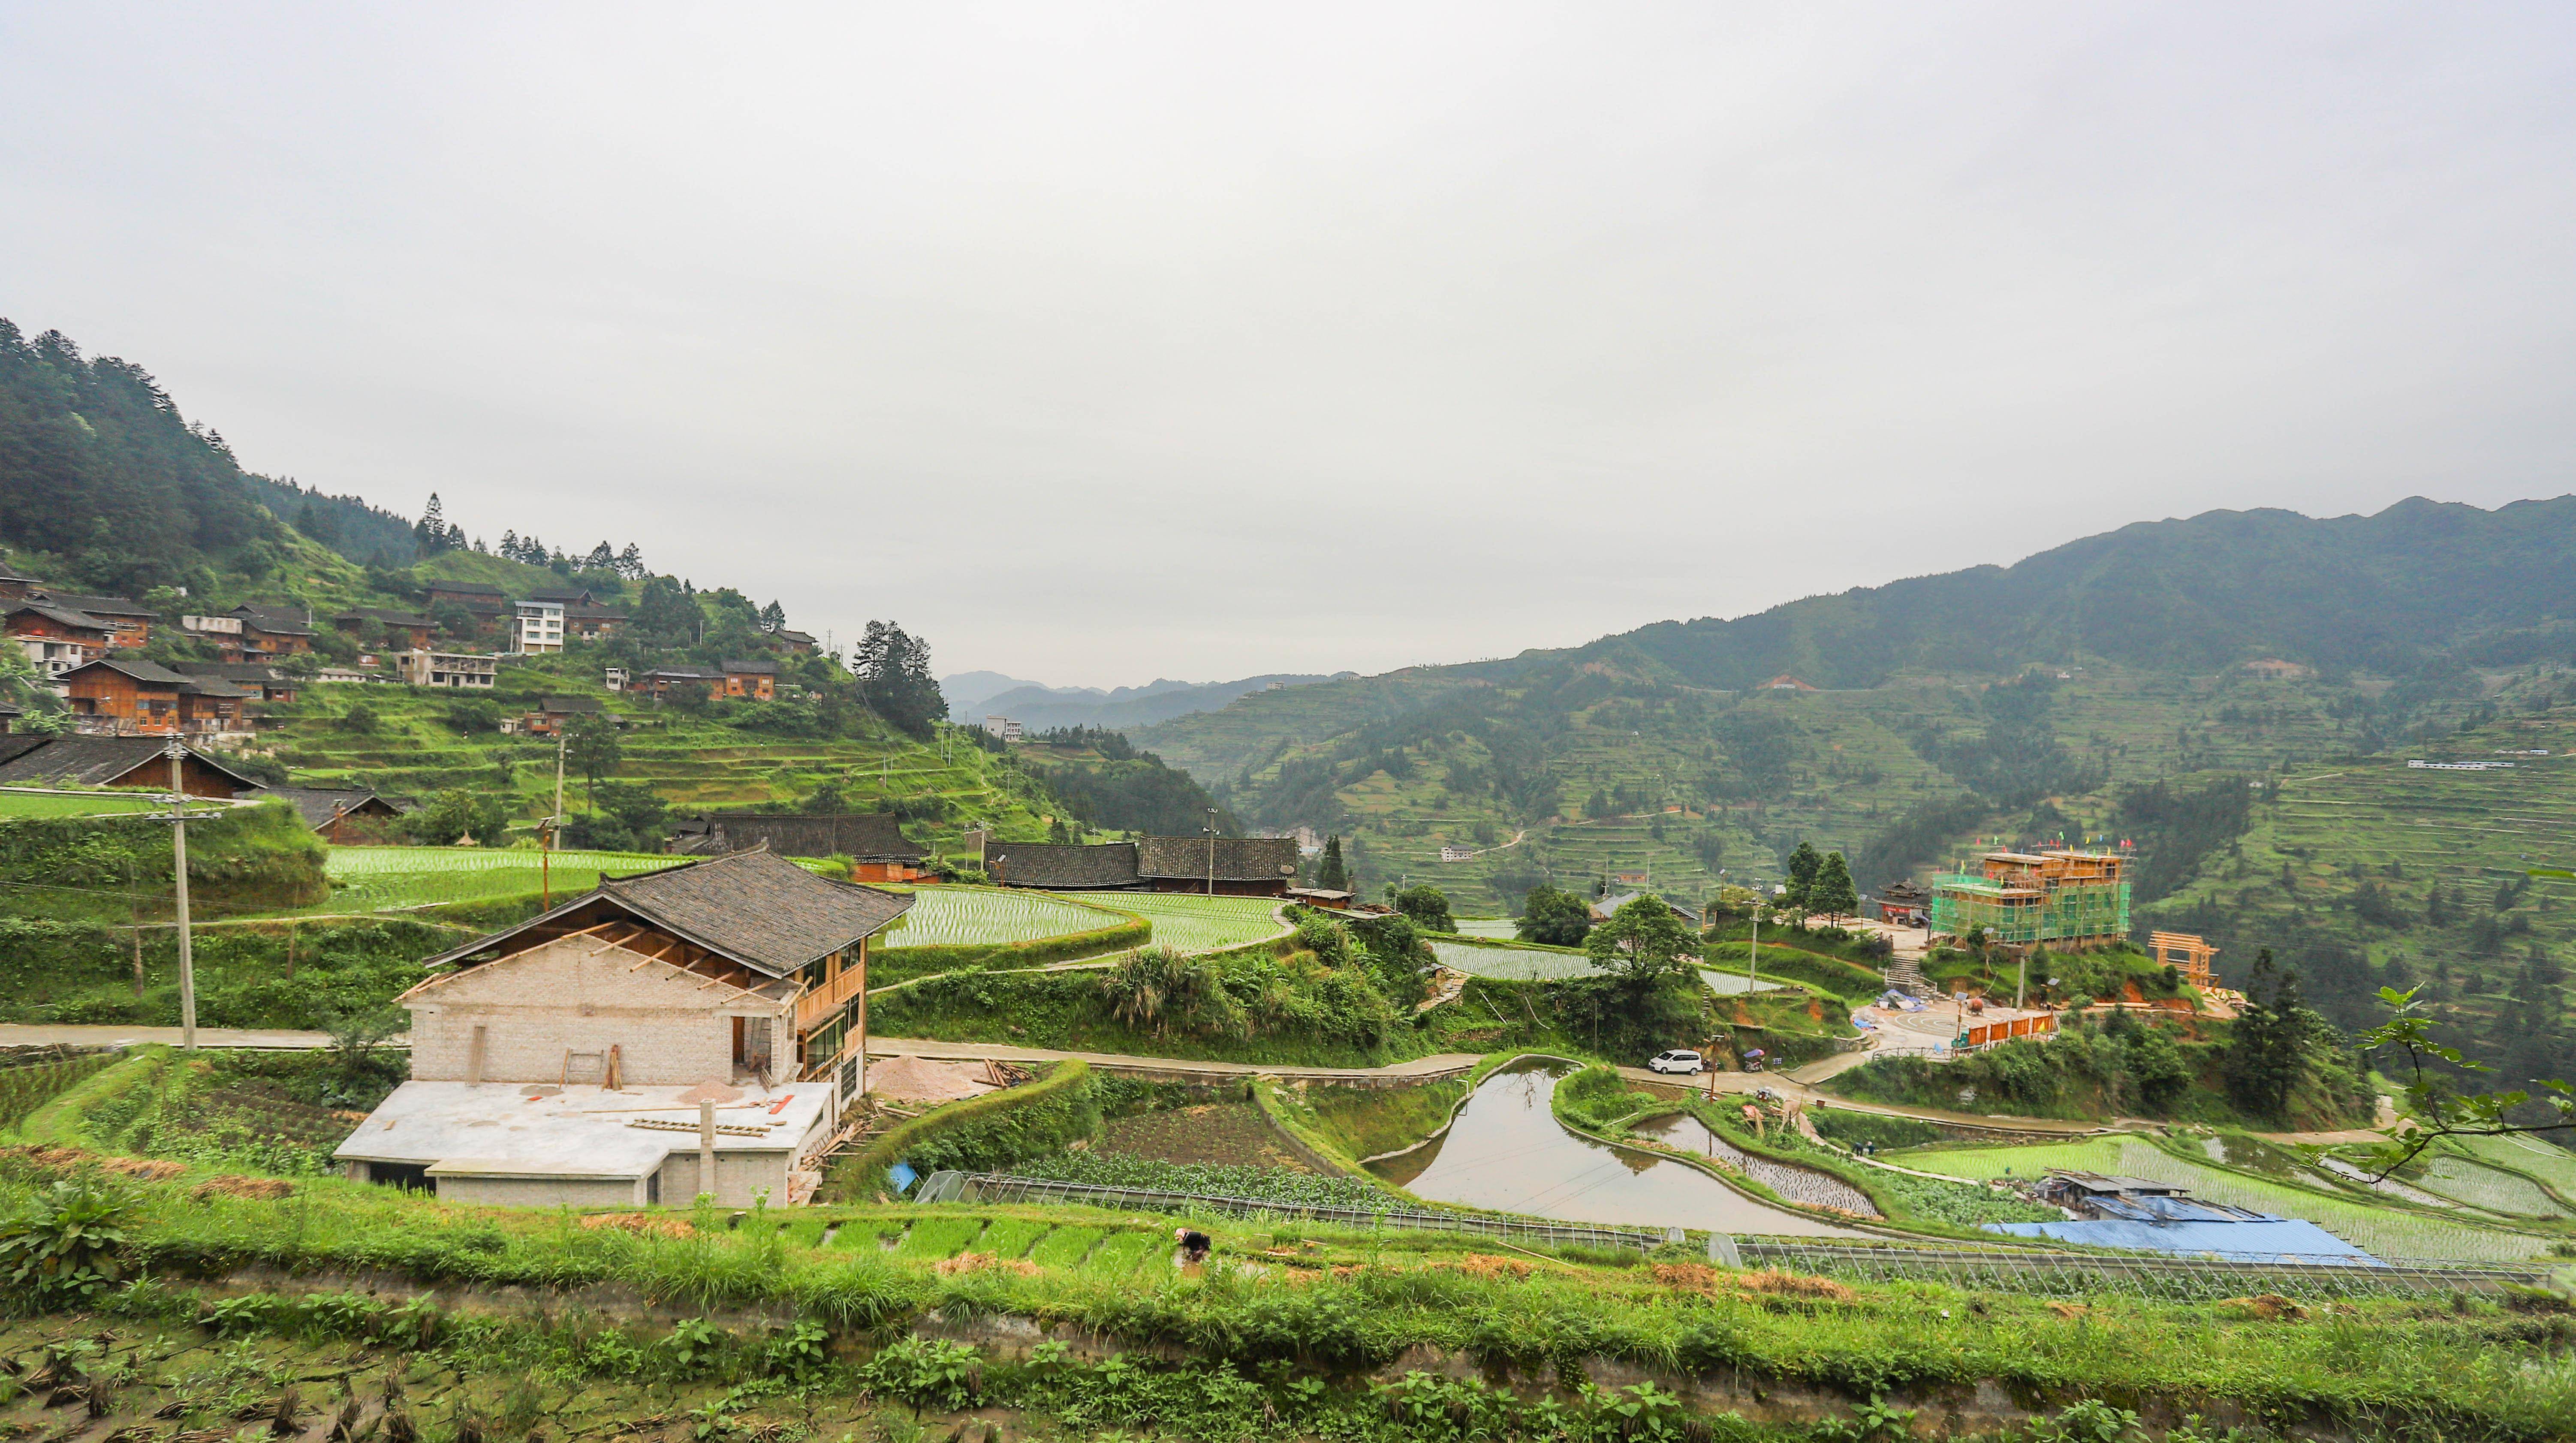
{"points": [[1194, 1246]]}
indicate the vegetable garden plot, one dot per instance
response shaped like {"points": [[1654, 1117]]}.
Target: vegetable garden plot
{"points": [[970, 917], [1281, 1185]]}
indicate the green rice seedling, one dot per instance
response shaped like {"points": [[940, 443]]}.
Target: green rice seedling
{"points": [[805, 1232], [872, 1234], [1065, 1247], [1009, 1238], [1120, 1252], [973, 916], [943, 1237]]}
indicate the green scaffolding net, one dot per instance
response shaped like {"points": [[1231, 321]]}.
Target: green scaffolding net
{"points": [[1961, 902]]}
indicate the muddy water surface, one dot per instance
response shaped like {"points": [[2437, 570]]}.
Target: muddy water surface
{"points": [[1507, 1151]]}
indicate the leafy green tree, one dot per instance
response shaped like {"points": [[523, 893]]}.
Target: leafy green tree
{"points": [[2435, 1107], [457, 813], [1554, 918], [591, 748], [1330, 874], [1428, 906], [665, 613], [2267, 1052], [1830, 891], [1642, 940], [1803, 865]]}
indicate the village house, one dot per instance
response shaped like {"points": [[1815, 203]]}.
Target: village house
{"points": [[1785, 682], [485, 602], [121, 697], [538, 627], [1224, 866], [798, 642], [468, 670], [341, 816], [693, 1031], [873, 841], [126, 762], [57, 638], [553, 713], [590, 621], [267, 682], [757, 680], [15, 586], [129, 622], [402, 630], [253, 633]]}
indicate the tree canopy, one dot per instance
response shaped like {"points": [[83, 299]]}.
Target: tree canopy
{"points": [[1643, 939], [1554, 918]]}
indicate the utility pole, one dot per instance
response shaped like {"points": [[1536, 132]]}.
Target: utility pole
{"points": [[1753, 949], [1211, 831], [177, 751]]}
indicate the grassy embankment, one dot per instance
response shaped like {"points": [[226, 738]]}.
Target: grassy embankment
{"points": [[1310, 1313]]}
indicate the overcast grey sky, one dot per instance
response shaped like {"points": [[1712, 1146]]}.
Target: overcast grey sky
{"points": [[1106, 342]]}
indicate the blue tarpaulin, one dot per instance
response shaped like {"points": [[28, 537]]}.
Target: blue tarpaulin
{"points": [[902, 1176], [2264, 1236]]}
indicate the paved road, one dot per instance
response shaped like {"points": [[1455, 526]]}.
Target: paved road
{"points": [[1444, 1064]]}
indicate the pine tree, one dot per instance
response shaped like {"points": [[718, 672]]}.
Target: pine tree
{"points": [[630, 563], [510, 545], [430, 532], [1329, 873], [773, 618], [1832, 893], [600, 559]]}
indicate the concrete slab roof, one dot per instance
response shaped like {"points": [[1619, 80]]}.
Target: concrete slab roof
{"points": [[536, 1129]]}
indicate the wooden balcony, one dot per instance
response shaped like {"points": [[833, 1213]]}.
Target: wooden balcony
{"points": [[820, 1002]]}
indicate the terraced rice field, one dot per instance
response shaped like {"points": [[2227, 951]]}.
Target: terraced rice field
{"points": [[54, 804], [991, 916], [1497, 929], [2555, 1166], [2490, 1188], [385, 879], [2384, 1232], [1201, 924], [1513, 965]]}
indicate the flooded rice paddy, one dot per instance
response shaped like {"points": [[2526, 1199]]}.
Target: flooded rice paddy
{"points": [[1508, 1152]]}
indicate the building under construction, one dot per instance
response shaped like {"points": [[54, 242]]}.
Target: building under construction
{"points": [[2065, 898]]}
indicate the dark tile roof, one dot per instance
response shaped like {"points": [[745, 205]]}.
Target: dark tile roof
{"points": [[320, 806], [757, 908], [252, 673], [750, 668], [592, 612], [466, 588], [1055, 864], [14, 747], [1238, 859], [560, 594], [94, 761], [385, 614], [61, 615], [683, 673], [801, 638], [275, 623], [154, 674], [150, 673], [861, 836], [568, 705], [96, 605]]}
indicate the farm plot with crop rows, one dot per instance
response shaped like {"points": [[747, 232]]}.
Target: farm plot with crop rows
{"points": [[2490, 1188], [1265, 1184], [979, 916]]}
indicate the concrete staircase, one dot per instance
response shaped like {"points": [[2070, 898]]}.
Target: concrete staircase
{"points": [[1905, 974]]}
